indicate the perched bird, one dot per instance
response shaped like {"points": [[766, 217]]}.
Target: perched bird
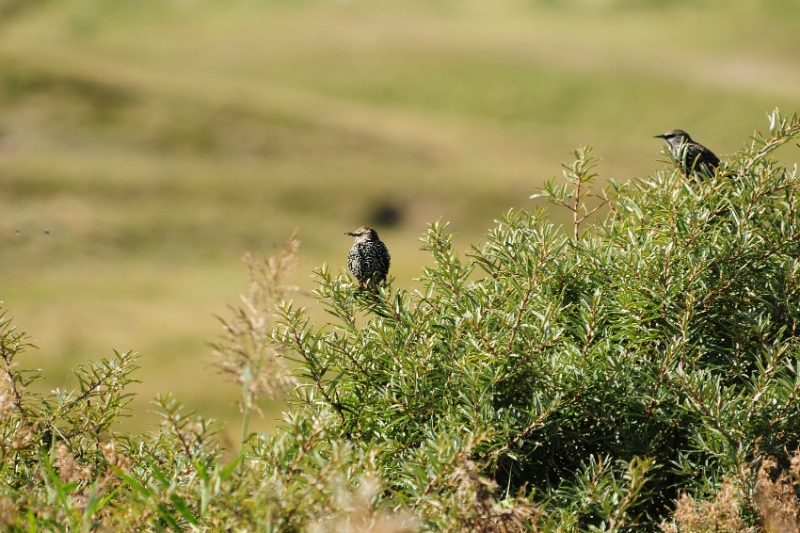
{"points": [[369, 258], [691, 156]]}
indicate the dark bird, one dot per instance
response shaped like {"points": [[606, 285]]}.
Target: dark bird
{"points": [[369, 258], [691, 156]]}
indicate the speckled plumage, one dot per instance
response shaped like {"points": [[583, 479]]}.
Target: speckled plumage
{"points": [[690, 155], [369, 258]]}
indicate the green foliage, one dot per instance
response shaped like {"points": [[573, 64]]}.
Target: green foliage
{"points": [[652, 353], [578, 380]]}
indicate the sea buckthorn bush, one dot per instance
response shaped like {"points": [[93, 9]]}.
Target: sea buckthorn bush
{"points": [[635, 370]]}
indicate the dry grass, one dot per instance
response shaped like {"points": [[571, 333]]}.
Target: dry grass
{"points": [[723, 513], [769, 495]]}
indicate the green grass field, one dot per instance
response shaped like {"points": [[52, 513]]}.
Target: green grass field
{"points": [[158, 140]]}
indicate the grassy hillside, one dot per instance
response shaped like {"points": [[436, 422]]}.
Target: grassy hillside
{"points": [[156, 141]]}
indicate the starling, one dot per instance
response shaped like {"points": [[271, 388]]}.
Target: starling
{"points": [[691, 156], [368, 259]]}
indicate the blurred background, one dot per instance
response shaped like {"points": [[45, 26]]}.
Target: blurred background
{"points": [[144, 145]]}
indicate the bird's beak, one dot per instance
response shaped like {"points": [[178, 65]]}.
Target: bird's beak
{"points": [[662, 136], [350, 233]]}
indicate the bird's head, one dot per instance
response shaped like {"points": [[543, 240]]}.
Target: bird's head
{"points": [[675, 136], [363, 234]]}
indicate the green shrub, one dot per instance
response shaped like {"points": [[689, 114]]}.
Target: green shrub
{"points": [[550, 380]]}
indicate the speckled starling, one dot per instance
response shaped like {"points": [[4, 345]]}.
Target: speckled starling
{"points": [[369, 258], [691, 156]]}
